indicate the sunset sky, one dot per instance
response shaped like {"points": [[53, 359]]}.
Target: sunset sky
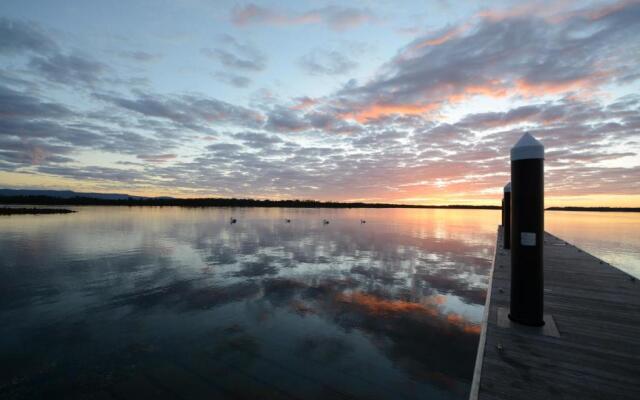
{"points": [[379, 101]]}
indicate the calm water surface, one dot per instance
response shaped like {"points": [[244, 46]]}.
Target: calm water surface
{"points": [[613, 237], [179, 303]]}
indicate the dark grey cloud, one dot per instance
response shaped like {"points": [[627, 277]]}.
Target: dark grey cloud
{"points": [[69, 69], [330, 122], [95, 173], [236, 55], [18, 36], [38, 132], [284, 119], [16, 153], [258, 140], [40, 141], [140, 56], [224, 149], [25, 129], [46, 59], [156, 157], [326, 62], [189, 110], [232, 79], [529, 113], [288, 119], [14, 104]]}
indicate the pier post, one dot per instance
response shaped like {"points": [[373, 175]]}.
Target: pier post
{"points": [[527, 230], [506, 215]]}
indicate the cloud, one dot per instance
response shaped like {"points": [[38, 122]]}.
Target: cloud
{"points": [[283, 119], [68, 69], [16, 153], [95, 173], [34, 131], [238, 55], [188, 110], [234, 80], [258, 140], [140, 56], [521, 56], [156, 157], [45, 57], [62, 138], [14, 104], [404, 134], [302, 103], [326, 62], [335, 17], [18, 36]]}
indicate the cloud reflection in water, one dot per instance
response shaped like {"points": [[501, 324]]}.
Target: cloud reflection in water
{"points": [[390, 309]]}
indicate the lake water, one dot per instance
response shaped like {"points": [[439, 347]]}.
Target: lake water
{"points": [[612, 237], [180, 303]]}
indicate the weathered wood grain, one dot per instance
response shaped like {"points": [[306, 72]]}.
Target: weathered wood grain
{"points": [[597, 311]]}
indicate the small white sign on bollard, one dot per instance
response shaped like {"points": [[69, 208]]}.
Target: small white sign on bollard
{"points": [[527, 238]]}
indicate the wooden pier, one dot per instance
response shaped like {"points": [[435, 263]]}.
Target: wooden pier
{"points": [[589, 347]]}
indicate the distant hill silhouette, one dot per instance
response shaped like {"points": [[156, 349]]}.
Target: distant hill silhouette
{"points": [[67, 194]]}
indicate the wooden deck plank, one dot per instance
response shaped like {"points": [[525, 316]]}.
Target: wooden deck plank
{"points": [[597, 310]]}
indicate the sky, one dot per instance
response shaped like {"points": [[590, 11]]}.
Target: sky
{"points": [[380, 101]]}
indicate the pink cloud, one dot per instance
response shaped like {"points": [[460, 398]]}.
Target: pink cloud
{"points": [[336, 18]]}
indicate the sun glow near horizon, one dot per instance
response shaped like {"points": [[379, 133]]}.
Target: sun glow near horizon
{"points": [[380, 103]]}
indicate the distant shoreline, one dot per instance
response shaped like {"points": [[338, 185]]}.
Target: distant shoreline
{"points": [[224, 202], [596, 209], [218, 202], [30, 211]]}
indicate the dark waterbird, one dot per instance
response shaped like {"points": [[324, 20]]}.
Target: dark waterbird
{"points": [[232, 220], [325, 221]]}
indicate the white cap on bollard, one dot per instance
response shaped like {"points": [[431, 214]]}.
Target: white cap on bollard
{"points": [[527, 148], [507, 188]]}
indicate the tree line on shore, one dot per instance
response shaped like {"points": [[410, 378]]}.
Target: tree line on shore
{"points": [[215, 202]]}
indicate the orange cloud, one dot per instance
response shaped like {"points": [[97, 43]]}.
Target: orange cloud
{"points": [[609, 9], [381, 110], [530, 89], [522, 87], [494, 89], [543, 9], [445, 37], [304, 103], [377, 305]]}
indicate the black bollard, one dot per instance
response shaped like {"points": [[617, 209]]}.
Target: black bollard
{"points": [[506, 227], [527, 230]]}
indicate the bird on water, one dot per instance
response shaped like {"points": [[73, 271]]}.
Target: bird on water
{"points": [[232, 220]]}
